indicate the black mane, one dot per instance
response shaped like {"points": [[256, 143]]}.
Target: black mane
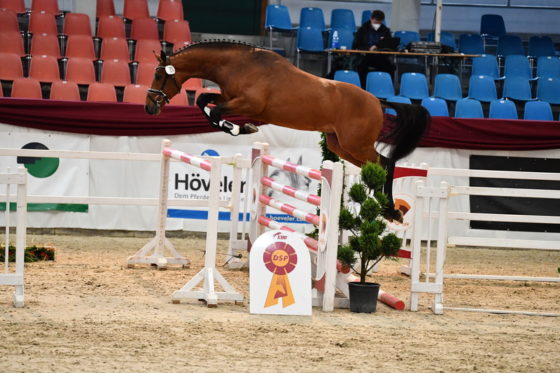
{"points": [[217, 43]]}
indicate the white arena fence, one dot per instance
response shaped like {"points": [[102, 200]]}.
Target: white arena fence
{"points": [[432, 214], [14, 275]]}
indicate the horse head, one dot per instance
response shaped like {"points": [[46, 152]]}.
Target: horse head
{"points": [[164, 86]]}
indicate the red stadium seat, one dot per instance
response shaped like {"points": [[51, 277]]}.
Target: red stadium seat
{"points": [[145, 50], [110, 27], [80, 70], [26, 88], [48, 6], [63, 90], [144, 28], [44, 69], [170, 10], [177, 32], [115, 72], [17, 6], [45, 44], [180, 99], [114, 49], [192, 84], [80, 46], [134, 9], [8, 21], [10, 66], [11, 42], [135, 94], [105, 8], [102, 92], [77, 24], [145, 72], [42, 22]]}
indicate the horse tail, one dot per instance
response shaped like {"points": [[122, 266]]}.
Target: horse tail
{"points": [[410, 125]]}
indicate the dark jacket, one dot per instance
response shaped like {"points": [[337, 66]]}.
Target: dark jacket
{"points": [[366, 36]]}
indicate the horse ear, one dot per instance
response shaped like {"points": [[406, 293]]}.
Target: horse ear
{"points": [[163, 56], [158, 57]]}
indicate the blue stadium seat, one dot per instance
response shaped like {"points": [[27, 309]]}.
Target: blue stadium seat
{"points": [[447, 38], [548, 67], [510, 44], [278, 18], [343, 19], [379, 84], [437, 107], [548, 89], [492, 25], [309, 39], [345, 37], [471, 44], [468, 108], [517, 65], [486, 64], [517, 88], [541, 46], [503, 109], [448, 87], [537, 110], [347, 76], [366, 16], [406, 37], [414, 86], [399, 99], [482, 88], [312, 17]]}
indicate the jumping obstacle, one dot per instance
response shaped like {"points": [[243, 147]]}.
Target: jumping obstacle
{"points": [[16, 277], [432, 214]]}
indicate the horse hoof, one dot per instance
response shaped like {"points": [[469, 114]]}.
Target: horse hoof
{"points": [[249, 128]]}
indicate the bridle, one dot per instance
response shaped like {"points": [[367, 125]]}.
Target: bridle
{"points": [[160, 95]]}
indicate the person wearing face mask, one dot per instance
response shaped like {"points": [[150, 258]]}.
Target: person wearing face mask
{"points": [[367, 37]]}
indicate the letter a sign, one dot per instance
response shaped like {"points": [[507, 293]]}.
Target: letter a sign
{"points": [[280, 275]]}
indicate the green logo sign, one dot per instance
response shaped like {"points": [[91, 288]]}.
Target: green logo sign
{"points": [[38, 167]]}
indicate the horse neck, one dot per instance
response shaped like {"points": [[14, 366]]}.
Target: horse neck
{"points": [[210, 64]]}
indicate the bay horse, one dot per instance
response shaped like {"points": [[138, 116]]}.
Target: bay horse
{"points": [[262, 85]]}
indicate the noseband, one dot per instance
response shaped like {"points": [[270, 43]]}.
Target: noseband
{"points": [[169, 72]]}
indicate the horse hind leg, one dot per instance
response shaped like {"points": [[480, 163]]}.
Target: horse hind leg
{"points": [[335, 147]]}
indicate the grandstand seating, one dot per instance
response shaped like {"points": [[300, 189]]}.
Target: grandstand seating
{"points": [[517, 88], [406, 37], [448, 87], [26, 88], [278, 18], [42, 22], [12, 42], [101, 92], [509, 44], [80, 70], [437, 107], [45, 44], [144, 28], [366, 16], [80, 46], [492, 25], [537, 110], [17, 6], [548, 89], [309, 39], [548, 67], [10, 66], [471, 44], [347, 76], [482, 88], [379, 84], [312, 17], [115, 72], [517, 66], [44, 68], [135, 94], [110, 27], [502, 109], [170, 10], [343, 19], [345, 37], [145, 72], [145, 50], [48, 6], [468, 108], [135, 9], [398, 99], [177, 32], [180, 99], [541, 45], [77, 24], [114, 49], [447, 38], [192, 84], [8, 21], [414, 86], [486, 64], [64, 90], [105, 8]]}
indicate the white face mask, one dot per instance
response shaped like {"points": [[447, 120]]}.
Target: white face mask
{"points": [[375, 26]]}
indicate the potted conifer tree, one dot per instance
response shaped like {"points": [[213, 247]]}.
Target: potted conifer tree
{"points": [[368, 243]]}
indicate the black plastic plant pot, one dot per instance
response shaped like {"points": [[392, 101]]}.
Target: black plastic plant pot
{"points": [[363, 296]]}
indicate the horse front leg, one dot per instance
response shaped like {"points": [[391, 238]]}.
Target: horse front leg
{"points": [[214, 115]]}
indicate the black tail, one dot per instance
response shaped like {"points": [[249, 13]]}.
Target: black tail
{"points": [[410, 125]]}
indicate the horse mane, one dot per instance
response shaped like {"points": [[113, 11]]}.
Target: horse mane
{"points": [[217, 43]]}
